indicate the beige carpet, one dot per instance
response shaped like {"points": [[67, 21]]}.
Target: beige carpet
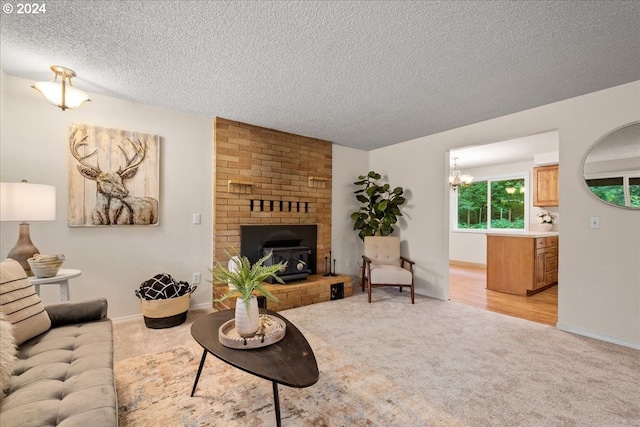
{"points": [[389, 363]]}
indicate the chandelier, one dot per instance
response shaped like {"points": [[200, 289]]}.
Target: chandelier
{"points": [[456, 179]]}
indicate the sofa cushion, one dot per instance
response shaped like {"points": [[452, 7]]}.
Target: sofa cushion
{"points": [[64, 377], [20, 303], [7, 353], [66, 313]]}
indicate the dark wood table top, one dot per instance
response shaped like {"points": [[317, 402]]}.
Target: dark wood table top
{"points": [[289, 362]]}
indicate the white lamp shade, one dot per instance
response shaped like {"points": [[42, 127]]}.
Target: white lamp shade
{"points": [[22, 201], [52, 91]]}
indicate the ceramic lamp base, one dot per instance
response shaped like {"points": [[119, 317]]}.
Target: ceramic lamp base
{"points": [[23, 249]]}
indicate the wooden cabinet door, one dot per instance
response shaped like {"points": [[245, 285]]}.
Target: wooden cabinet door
{"points": [[545, 186], [551, 262], [540, 269]]}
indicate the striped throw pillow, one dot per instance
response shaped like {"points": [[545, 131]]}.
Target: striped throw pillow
{"points": [[20, 303]]}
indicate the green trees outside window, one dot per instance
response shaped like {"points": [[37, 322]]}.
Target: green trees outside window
{"points": [[612, 190], [499, 203], [634, 192], [472, 205]]}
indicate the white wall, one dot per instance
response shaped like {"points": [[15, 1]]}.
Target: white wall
{"points": [[348, 164], [114, 260], [598, 269]]}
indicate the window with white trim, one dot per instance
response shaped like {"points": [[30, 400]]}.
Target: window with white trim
{"points": [[492, 204]]}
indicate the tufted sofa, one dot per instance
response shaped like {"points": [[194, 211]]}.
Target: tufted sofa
{"points": [[63, 376]]}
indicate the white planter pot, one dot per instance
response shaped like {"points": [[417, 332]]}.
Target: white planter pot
{"points": [[247, 323], [546, 226]]}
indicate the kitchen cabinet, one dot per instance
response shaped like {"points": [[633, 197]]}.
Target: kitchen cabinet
{"points": [[545, 186], [522, 264]]}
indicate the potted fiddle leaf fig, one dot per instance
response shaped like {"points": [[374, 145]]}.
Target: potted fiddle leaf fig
{"points": [[245, 279], [380, 206]]}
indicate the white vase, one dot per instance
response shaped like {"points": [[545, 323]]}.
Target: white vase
{"points": [[546, 226], [247, 322]]}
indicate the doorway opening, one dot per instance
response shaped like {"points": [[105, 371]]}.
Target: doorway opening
{"points": [[467, 244]]}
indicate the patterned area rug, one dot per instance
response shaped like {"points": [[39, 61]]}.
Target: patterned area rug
{"points": [[157, 387], [389, 363]]}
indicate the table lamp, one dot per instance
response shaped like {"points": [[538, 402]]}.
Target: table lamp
{"points": [[22, 201]]}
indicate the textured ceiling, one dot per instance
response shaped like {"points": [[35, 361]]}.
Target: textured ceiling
{"points": [[360, 74]]}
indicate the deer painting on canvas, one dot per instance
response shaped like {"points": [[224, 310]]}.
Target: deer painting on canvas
{"points": [[122, 169]]}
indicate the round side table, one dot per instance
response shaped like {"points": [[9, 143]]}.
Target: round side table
{"points": [[62, 279]]}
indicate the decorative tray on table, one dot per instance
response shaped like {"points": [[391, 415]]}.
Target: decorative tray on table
{"points": [[272, 329]]}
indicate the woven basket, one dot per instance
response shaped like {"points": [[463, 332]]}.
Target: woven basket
{"points": [[165, 313]]}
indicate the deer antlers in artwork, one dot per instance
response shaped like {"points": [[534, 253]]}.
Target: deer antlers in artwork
{"points": [[74, 144], [132, 163]]}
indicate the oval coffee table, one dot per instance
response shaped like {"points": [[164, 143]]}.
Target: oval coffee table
{"points": [[289, 362]]}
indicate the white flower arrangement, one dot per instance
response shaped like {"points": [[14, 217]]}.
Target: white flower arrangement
{"points": [[545, 217]]}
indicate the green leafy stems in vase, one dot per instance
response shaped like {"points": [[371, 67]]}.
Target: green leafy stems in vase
{"points": [[246, 279]]}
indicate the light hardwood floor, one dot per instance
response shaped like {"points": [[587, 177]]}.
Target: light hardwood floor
{"points": [[467, 285]]}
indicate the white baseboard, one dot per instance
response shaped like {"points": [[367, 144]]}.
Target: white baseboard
{"points": [[126, 318], [203, 306], [605, 338]]}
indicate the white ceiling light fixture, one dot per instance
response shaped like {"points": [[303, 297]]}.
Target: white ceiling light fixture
{"points": [[62, 94], [456, 179]]}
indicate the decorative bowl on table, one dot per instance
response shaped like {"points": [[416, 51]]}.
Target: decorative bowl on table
{"points": [[44, 266]]}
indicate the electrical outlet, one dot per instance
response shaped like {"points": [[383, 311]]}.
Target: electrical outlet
{"points": [[348, 262], [594, 222], [197, 219], [197, 277]]}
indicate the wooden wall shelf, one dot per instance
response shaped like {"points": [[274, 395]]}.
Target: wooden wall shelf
{"points": [[317, 182], [239, 187]]}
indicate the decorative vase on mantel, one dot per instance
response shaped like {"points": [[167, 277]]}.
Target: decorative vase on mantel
{"points": [[247, 320]]}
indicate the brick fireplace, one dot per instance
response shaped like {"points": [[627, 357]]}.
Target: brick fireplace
{"points": [[264, 176]]}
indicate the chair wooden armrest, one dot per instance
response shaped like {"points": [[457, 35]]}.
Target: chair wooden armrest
{"points": [[405, 259], [408, 261]]}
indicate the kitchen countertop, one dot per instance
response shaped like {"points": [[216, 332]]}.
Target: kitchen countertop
{"points": [[527, 234]]}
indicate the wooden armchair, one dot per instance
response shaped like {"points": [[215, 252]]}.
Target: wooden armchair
{"points": [[384, 266]]}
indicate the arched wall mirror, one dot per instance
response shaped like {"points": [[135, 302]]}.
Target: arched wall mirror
{"points": [[611, 167]]}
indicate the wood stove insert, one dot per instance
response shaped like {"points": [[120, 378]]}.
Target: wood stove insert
{"points": [[294, 245]]}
